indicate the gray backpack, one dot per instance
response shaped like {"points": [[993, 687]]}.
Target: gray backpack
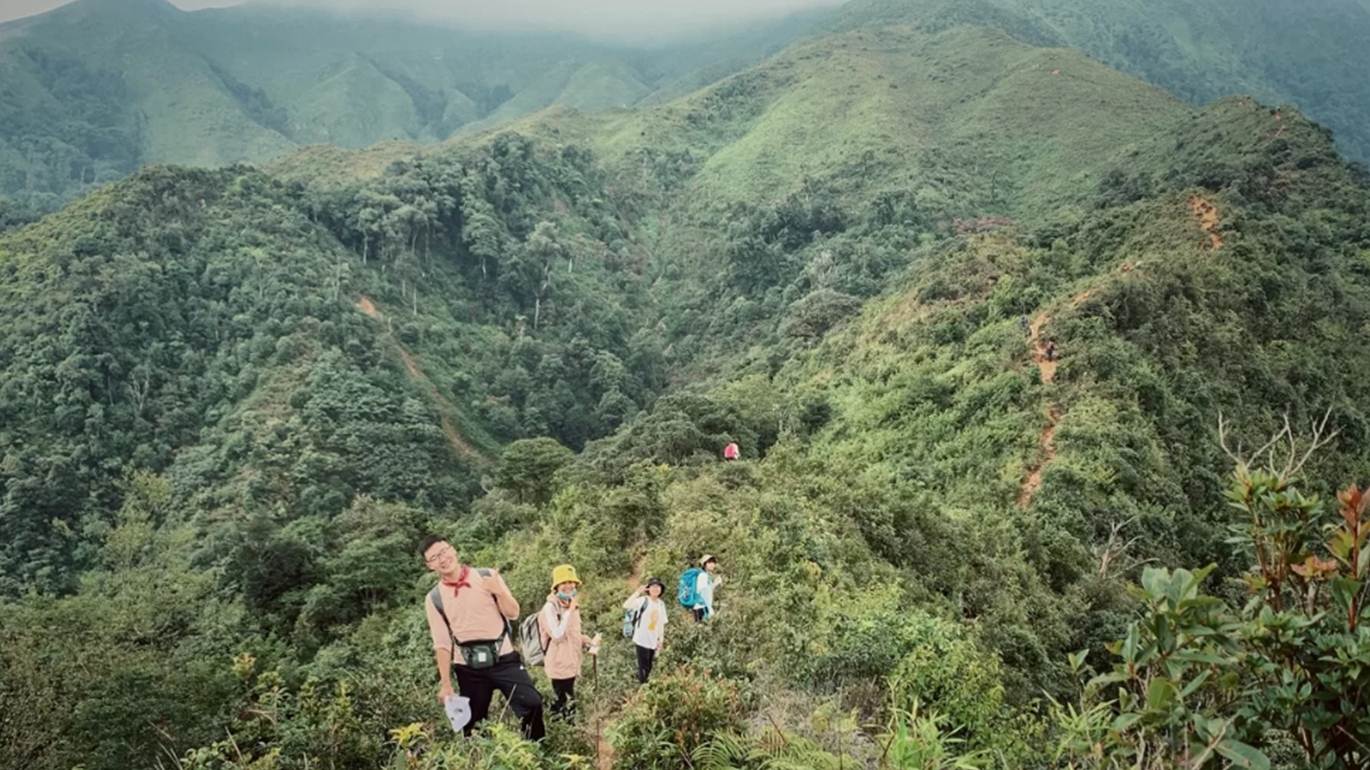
{"points": [[530, 639]]}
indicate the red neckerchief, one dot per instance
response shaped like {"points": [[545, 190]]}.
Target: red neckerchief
{"points": [[461, 581]]}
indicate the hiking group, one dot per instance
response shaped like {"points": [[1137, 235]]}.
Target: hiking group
{"points": [[471, 614]]}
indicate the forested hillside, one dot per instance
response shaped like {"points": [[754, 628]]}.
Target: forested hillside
{"points": [[90, 92], [825, 166], [268, 348], [94, 89], [972, 309]]}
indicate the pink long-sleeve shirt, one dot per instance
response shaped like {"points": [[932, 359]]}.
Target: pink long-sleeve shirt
{"points": [[472, 613], [564, 640]]}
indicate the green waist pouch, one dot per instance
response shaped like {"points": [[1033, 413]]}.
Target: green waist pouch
{"points": [[480, 655]]}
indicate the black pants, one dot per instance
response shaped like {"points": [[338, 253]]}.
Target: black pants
{"points": [[699, 614], [509, 677], [645, 658], [565, 705]]}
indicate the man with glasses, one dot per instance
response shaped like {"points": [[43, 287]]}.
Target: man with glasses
{"points": [[468, 616]]}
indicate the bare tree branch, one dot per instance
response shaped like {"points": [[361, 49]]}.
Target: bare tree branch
{"points": [[1284, 463]]}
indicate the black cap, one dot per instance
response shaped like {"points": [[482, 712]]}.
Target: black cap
{"points": [[651, 581]]}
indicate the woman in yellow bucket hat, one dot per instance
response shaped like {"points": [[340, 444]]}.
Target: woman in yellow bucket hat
{"points": [[562, 639]]}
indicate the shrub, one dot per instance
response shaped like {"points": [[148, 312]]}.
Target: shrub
{"points": [[927, 742], [497, 747], [527, 467], [668, 719], [950, 674]]}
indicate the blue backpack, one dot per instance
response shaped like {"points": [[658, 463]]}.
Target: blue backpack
{"points": [[686, 592]]}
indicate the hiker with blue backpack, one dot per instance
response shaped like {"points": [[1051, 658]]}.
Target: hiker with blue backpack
{"points": [[469, 613], [696, 589], [645, 622], [563, 644]]}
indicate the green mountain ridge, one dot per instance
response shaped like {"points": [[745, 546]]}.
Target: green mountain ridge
{"points": [[250, 83], [1307, 54], [917, 126], [233, 398]]}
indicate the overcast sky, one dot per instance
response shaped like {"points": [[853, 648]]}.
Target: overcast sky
{"points": [[612, 18]]}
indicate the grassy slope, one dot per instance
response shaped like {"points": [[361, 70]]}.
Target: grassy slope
{"points": [[946, 110], [909, 493], [966, 121], [939, 411], [191, 115], [329, 165], [868, 111], [1310, 54]]}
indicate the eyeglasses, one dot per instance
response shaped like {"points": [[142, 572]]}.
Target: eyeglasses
{"points": [[444, 551]]}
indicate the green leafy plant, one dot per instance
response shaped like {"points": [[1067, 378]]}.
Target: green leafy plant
{"points": [[1196, 680], [926, 740], [676, 712], [1173, 687]]}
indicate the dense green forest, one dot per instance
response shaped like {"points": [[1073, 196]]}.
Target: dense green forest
{"points": [[234, 399]]}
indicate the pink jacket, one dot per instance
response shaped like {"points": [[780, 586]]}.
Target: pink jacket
{"points": [[565, 643]]}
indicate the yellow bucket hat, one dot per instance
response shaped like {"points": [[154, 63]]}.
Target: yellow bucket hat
{"points": [[564, 573]]}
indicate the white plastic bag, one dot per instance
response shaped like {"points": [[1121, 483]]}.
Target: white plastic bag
{"points": [[458, 711]]}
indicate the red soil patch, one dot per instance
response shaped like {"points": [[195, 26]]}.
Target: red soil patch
{"points": [[411, 365], [1207, 215], [365, 305]]}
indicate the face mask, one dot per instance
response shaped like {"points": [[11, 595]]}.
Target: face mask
{"points": [[566, 597]]}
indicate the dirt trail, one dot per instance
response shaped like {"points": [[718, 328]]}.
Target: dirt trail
{"points": [[1046, 448], [1038, 344], [446, 409], [1046, 445], [1209, 221], [1039, 348], [604, 753], [635, 577], [1047, 368]]}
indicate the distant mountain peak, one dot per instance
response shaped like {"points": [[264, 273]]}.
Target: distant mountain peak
{"points": [[120, 8]]}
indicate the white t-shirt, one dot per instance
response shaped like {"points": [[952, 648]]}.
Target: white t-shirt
{"points": [[704, 587], [651, 626]]}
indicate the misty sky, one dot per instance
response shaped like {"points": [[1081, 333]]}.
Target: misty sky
{"points": [[599, 18]]}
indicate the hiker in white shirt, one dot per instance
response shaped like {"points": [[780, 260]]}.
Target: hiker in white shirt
{"points": [[705, 583], [650, 618]]}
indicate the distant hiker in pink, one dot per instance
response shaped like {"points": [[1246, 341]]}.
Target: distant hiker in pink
{"points": [[731, 452]]}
